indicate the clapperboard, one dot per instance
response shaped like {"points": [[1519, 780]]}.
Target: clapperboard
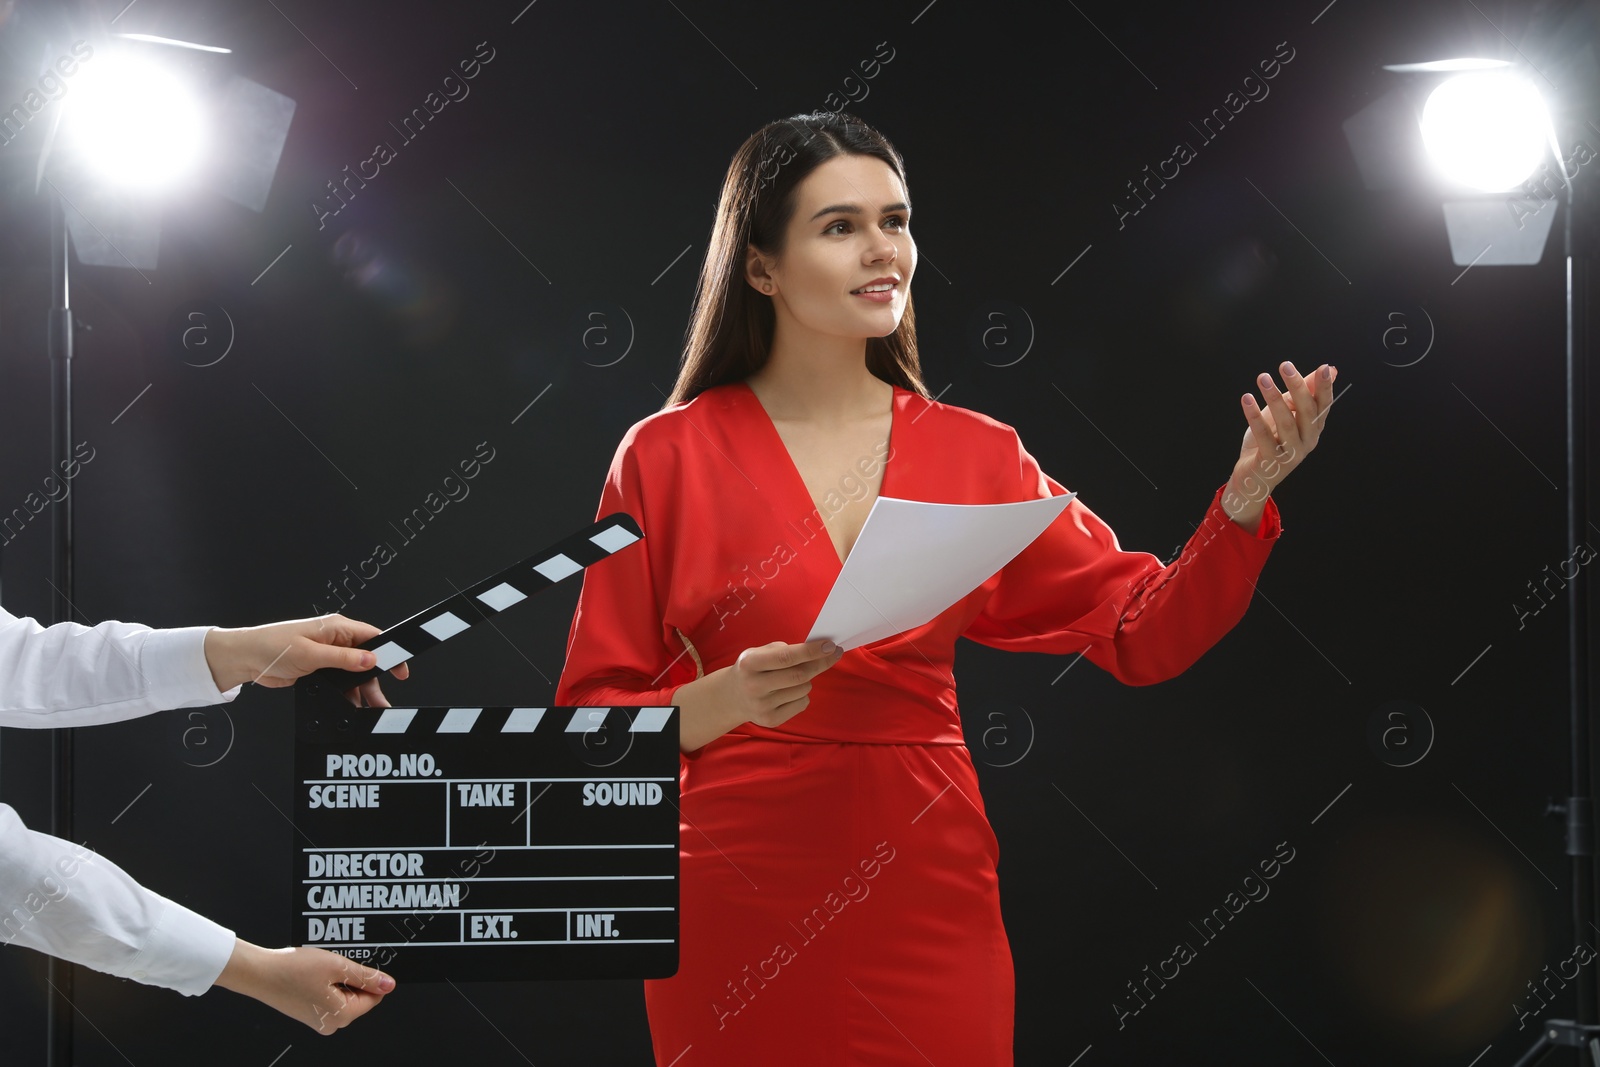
{"points": [[477, 843]]}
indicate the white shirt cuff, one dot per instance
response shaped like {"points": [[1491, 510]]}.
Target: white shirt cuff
{"points": [[173, 662], [185, 951]]}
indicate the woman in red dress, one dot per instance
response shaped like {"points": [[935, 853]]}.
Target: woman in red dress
{"points": [[839, 901]]}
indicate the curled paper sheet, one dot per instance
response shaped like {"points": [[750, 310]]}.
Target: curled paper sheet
{"points": [[913, 560]]}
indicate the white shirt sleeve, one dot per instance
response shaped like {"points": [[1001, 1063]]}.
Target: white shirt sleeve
{"points": [[65, 900], [58, 897], [73, 675]]}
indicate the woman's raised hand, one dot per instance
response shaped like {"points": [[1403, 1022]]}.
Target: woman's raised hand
{"points": [[768, 685], [1278, 437]]}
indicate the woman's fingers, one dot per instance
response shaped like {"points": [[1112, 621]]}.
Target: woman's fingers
{"points": [[1266, 442], [783, 712], [776, 655], [791, 707], [800, 673], [778, 673], [779, 697], [1282, 418], [819, 663], [1305, 406], [1324, 387], [779, 656]]}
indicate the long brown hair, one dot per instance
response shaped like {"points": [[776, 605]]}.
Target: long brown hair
{"points": [[730, 328]]}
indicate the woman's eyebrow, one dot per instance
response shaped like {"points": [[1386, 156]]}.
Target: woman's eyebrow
{"points": [[851, 209]]}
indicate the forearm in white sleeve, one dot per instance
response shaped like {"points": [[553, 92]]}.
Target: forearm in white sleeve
{"points": [[67, 901], [73, 675]]}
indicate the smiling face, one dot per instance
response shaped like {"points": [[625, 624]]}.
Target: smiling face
{"points": [[850, 228]]}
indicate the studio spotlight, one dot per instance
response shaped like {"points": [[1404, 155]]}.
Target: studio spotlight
{"points": [[1488, 131], [134, 123]]}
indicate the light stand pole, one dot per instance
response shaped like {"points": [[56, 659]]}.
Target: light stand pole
{"points": [[58, 1046], [1580, 812], [1580, 1033]]}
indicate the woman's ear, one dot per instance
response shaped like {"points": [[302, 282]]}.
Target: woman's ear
{"points": [[755, 270]]}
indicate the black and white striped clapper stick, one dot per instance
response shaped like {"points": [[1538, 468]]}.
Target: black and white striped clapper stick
{"points": [[487, 843], [488, 598]]}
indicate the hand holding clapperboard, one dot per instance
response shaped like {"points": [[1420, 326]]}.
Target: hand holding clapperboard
{"points": [[474, 843]]}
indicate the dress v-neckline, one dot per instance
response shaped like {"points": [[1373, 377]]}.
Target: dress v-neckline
{"points": [[798, 479]]}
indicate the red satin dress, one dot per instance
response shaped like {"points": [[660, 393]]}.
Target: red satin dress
{"points": [[839, 901]]}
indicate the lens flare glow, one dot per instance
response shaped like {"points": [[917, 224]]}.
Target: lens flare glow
{"points": [[1487, 131]]}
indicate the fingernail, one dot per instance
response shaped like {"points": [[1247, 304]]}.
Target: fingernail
{"points": [[385, 983], [828, 647], [368, 659], [1288, 370]]}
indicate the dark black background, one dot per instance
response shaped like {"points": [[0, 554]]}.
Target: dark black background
{"points": [[1420, 899]]}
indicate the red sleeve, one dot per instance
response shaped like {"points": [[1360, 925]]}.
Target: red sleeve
{"points": [[1075, 590], [617, 650]]}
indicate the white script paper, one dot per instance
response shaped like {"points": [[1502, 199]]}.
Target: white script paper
{"points": [[913, 560]]}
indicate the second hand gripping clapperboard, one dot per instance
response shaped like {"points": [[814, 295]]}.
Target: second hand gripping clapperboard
{"points": [[473, 843]]}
